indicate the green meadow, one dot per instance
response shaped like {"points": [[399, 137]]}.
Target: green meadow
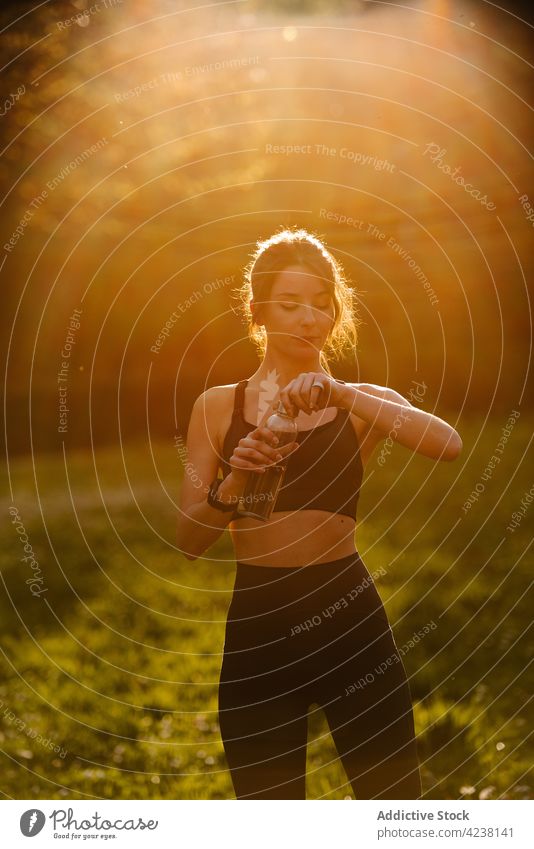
{"points": [[109, 677]]}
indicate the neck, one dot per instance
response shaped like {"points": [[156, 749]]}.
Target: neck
{"points": [[278, 369]]}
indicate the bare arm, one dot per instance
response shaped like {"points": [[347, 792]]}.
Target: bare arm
{"points": [[389, 412], [200, 524]]}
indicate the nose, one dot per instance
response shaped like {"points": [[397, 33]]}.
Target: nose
{"points": [[308, 315]]}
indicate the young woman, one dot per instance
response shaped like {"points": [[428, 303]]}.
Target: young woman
{"points": [[306, 624]]}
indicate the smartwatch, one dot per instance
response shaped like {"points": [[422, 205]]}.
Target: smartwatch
{"points": [[214, 501]]}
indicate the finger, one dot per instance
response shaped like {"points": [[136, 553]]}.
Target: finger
{"points": [[286, 401], [240, 465], [298, 392], [322, 394], [319, 394], [264, 433], [289, 396], [285, 453], [248, 454], [261, 446], [288, 405], [288, 448], [263, 449], [249, 464], [255, 453], [306, 391]]}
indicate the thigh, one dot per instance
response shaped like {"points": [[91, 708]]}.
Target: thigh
{"points": [[263, 720], [368, 705]]}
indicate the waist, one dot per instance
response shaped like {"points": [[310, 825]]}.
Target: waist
{"points": [[261, 587], [253, 574], [295, 538], [270, 605]]}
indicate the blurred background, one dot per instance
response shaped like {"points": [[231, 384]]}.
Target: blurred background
{"points": [[146, 147]]}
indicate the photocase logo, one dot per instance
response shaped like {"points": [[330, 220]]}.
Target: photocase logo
{"points": [[31, 822]]}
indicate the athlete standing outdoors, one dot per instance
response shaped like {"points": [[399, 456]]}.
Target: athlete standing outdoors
{"points": [[306, 625]]}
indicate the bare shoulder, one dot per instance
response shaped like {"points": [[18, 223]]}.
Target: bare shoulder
{"points": [[217, 403], [216, 396], [368, 436]]}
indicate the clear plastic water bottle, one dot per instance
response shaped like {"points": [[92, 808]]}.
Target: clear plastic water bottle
{"points": [[261, 490]]}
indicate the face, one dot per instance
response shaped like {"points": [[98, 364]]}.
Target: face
{"points": [[300, 311]]}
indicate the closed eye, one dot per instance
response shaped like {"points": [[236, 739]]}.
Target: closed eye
{"points": [[294, 306]]}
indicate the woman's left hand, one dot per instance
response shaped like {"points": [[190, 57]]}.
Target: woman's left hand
{"points": [[301, 394]]}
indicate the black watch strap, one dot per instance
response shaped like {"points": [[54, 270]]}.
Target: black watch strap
{"points": [[214, 501]]}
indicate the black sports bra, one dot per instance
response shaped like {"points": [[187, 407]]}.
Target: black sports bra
{"points": [[324, 473]]}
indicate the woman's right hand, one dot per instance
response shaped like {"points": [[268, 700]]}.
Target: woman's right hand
{"points": [[256, 452]]}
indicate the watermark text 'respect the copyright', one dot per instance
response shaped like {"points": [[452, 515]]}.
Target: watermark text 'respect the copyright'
{"points": [[319, 149], [64, 370]]}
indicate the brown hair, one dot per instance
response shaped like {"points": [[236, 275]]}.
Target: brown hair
{"points": [[291, 247]]}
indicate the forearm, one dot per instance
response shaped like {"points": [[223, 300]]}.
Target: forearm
{"points": [[203, 524], [414, 428]]}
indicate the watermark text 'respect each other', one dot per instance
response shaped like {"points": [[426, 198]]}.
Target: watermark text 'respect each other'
{"points": [[342, 602], [394, 657], [185, 305], [492, 463], [22, 727]]}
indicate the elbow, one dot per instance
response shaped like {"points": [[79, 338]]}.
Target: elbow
{"points": [[186, 551], [184, 545], [188, 555]]}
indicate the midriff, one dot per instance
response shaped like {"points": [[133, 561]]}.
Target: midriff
{"points": [[293, 538]]}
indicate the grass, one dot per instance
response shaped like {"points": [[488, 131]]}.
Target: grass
{"points": [[117, 664]]}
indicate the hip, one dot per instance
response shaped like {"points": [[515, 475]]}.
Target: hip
{"points": [[283, 602], [292, 626]]}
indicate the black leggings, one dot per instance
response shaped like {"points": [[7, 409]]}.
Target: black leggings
{"points": [[314, 634]]}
